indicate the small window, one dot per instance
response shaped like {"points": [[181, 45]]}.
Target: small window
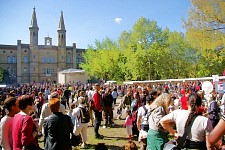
{"points": [[25, 59], [48, 71], [8, 59], [3, 52], [62, 36], [33, 33], [68, 52], [11, 52], [53, 70], [14, 59], [43, 60], [53, 60], [48, 60], [25, 51], [68, 60], [33, 56]]}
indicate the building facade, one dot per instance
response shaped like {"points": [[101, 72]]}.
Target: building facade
{"points": [[26, 63]]}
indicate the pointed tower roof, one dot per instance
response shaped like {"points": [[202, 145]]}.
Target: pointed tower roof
{"points": [[34, 20], [61, 22]]}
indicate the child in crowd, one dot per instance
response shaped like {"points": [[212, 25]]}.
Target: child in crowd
{"points": [[119, 110], [129, 123]]}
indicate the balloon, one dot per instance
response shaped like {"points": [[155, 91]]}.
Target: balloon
{"points": [[207, 87]]}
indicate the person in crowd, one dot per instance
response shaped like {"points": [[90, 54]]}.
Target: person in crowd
{"points": [[69, 113], [11, 104], [45, 111], [142, 124], [40, 103], [90, 98], [127, 100], [57, 128], [184, 99], [217, 133], [157, 136], [129, 123], [107, 101], [134, 108], [213, 111], [114, 95], [67, 94], [24, 128], [79, 126], [97, 111], [201, 127]]}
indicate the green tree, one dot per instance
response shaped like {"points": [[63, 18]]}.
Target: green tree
{"points": [[205, 31]]}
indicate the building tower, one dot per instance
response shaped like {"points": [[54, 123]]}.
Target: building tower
{"points": [[33, 53], [61, 44]]}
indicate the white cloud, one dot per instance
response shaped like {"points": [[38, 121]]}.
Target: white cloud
{"points": [[118, 20]]}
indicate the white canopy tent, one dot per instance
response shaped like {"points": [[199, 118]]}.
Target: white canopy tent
{"points": [[72, 76]]}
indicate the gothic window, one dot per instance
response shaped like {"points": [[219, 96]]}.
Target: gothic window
{"points": [[14, 59], [68, 60], [8, 59], [25, 59], [62, 36], [59, 36], [53, 60]]}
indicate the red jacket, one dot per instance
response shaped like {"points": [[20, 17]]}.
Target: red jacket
{"points": [[97, 101]]}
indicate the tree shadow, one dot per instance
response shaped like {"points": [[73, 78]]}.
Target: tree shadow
{"points": [[92, 147]]}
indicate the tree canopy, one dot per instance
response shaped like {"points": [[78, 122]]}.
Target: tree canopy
{"points": [[205, 27], [143, 53]]}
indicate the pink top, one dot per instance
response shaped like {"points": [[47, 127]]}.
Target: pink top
{"points": [[22, 129], [128, 121]]}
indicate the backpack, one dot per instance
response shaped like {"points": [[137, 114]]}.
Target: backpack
{"points": [[145, 124], [85, 115]]}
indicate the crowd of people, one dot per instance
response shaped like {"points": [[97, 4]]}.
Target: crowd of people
{"points": [[155, 114]]}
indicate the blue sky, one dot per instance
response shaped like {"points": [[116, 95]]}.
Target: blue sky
{"points": [[86, 20]]}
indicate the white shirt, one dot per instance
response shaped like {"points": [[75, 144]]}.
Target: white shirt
{"points": [[45, 112], [6, 133], [200, 128]]}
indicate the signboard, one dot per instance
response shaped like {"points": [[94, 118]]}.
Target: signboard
{"points": [[220, 87]]}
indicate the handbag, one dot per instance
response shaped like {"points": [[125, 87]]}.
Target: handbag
{"points": [[180, 142]]}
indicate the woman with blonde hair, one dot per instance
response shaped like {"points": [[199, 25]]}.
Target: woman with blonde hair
{"points": [[157, 136]]}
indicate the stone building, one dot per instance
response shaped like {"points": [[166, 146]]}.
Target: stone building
{"points": [[26, 63]]}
